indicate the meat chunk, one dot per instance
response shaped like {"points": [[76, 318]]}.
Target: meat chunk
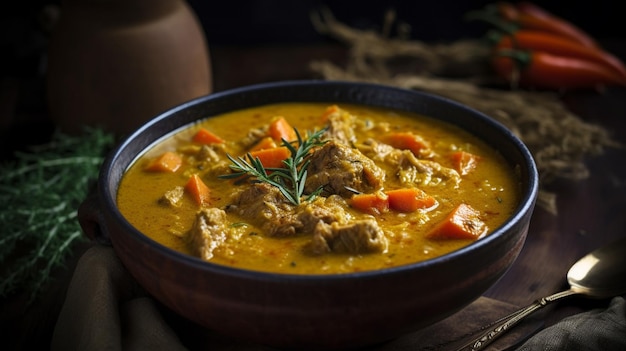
{"points": [[340, 125], [377, 151], [208, 232], [410, 170], [253, 136], [212, 159], [323, 209], [332, 227], [265, 206], [356, 237], [336, 166], [210, 153], [173, 197]]}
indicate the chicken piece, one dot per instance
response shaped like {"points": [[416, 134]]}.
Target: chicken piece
{"points": [[410, 170], [208, 232], [173, 197], [265, 206], [414, 171], [356, 237], [337, 167], [322, 209], [340, 126]]}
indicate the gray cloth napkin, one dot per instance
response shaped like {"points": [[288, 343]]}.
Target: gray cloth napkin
{"points": [[105, 309], [598, 329]]}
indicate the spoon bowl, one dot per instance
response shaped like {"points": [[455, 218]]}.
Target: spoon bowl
{"points": [[599, 274]]}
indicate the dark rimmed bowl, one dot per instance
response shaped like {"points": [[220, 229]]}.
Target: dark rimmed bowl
{"points": [[322, 311]]}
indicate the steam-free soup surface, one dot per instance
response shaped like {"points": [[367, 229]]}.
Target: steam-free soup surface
{"points": [[383, 188]]}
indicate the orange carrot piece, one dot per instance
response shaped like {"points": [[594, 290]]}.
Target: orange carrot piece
{"points": [[281, 129], [373, 203], [204, 136], [407, 141], [265, 143], [272, 158], [462, 223], [199, 191], [409, 199], [167, 162], [464, 162]]}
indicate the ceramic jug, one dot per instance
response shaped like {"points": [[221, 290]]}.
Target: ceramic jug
{"points": [[115, 64]]}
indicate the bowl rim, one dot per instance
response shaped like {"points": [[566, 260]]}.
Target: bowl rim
{"points": [[524, 208]]}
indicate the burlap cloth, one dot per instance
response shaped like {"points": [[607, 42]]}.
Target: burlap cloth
{"points": [[105, 309]]}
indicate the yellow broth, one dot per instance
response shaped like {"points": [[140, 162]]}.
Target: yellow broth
{"points": [[492, 188]]}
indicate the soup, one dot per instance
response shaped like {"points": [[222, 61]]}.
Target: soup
{"points": [[312, 188]]}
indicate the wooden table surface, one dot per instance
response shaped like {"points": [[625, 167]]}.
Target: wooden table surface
{"points": [[591, 212]]}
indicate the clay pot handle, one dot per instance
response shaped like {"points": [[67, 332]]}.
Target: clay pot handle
{"points": [[92, 221]]}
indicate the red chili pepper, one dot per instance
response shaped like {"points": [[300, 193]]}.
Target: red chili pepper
{"points": [[547, 71], [558, 45], [533, 9], [530, 16]]}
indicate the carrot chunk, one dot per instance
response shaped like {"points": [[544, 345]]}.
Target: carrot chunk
{"points": [[167, 162], [373, 203], [407, 141], [204, 136], [462, 223], [281, 129], [272, 158], [464, 162], [409, 199], [265, 143], [199, 191]]}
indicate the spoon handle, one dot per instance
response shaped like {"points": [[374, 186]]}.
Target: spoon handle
{"points": [[505, 323]]}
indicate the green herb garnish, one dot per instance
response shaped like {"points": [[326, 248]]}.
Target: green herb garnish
{"points": [[41, 190], [290, 180]]}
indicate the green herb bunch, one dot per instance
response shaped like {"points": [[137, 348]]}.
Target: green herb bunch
{"points": [[291, 179], [41, 190]]}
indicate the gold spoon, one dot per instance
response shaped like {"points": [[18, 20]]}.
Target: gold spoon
{"points": [[599, 274]]}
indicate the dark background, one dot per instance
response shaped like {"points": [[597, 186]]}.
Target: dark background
{"points": [[271, 21], [266, 22], [23, 36], [24, 31]]}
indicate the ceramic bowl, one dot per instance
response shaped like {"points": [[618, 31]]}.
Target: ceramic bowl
{"points": [[306, 311]]}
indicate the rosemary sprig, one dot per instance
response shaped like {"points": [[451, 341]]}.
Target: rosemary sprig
{"points": [[291, 179], [41, 189]]}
